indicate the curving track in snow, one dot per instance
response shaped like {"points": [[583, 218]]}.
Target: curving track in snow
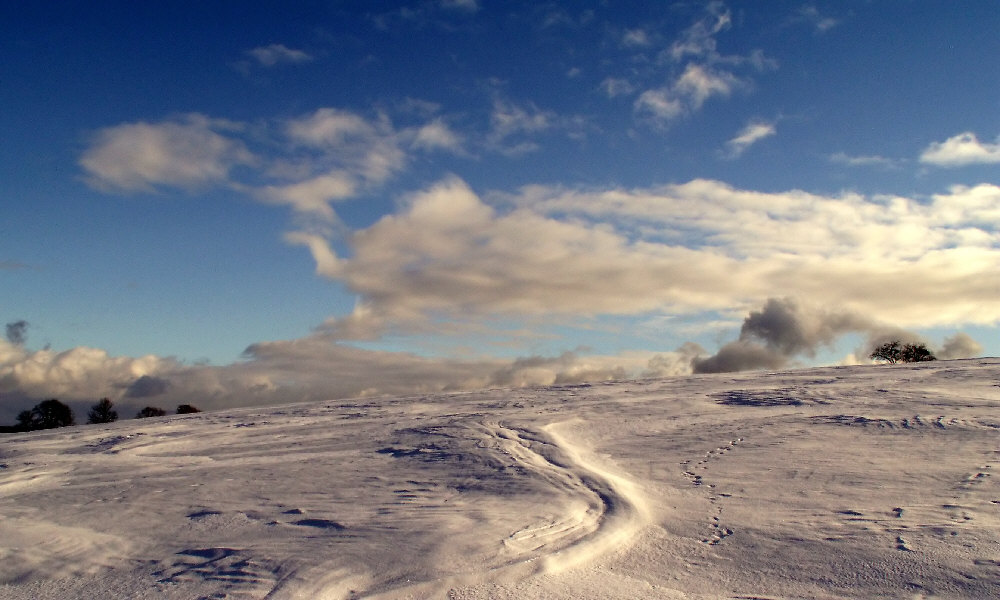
{"points": [[591, 509], [606, 509]]}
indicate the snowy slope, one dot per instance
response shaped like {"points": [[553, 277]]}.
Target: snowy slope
{"points": [[820, 483]]}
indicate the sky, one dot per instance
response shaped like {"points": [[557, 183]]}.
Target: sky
{"points": [[233, 203]]}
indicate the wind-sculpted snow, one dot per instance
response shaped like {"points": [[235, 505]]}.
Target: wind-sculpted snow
{"points": [[837, 482]]}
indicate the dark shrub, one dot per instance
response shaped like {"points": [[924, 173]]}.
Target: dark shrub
{"points": [[150, 411]]}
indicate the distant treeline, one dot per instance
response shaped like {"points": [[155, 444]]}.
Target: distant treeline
{"points": [[50, 414]]}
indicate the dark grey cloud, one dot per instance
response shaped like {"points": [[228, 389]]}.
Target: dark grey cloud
{"points": [[17, 332], [783, 329], [147, 387], [960, 345], [740, 355]]}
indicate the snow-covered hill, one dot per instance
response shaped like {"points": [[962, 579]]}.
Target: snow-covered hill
{"points": [[830, 482]]}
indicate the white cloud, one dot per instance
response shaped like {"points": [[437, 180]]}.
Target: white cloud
{"points": [[698, 84], [514, 128], [275, 54], [699, 39], [899, 260], [312, 196], [659, 104], [346, 141], [864, 161], [811, 14], [635, 38], [688, 93], [750, 135], [685, 248], [616, 87], [436, 135], [78, 373], [961, 150], [307, 369], [706, 72], [186, 153], [508, 119], [466, 5]]}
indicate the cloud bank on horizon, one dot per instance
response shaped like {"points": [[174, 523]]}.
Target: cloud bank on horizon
{"points": [[608, 199]]}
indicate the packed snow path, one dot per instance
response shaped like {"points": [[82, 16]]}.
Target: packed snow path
{"points": [[837, 482]]}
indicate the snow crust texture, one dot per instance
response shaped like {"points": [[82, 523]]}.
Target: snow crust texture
{"points": [[839, 482]]}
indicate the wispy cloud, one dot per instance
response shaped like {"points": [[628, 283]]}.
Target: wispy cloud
{"points": [[614, 86], [810, 14], [961, 150], [13, 265], [865, 161], [278, 54], [750, 135], [437, 135], [699, 39], [515, 127], [466, 5], [636, 38], [706, 72]]}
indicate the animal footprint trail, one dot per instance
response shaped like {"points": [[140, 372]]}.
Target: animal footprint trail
{"points": [[718, 532]]}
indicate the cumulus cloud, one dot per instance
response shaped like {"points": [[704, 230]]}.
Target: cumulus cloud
{"points": [[307, 369], [902, 260], [961, 150], [78, 373], [750, 135], [188, 152], [679, 249], [275, 54]]}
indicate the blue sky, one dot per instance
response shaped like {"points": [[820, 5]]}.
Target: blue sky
{"points": [[218, 197]]}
